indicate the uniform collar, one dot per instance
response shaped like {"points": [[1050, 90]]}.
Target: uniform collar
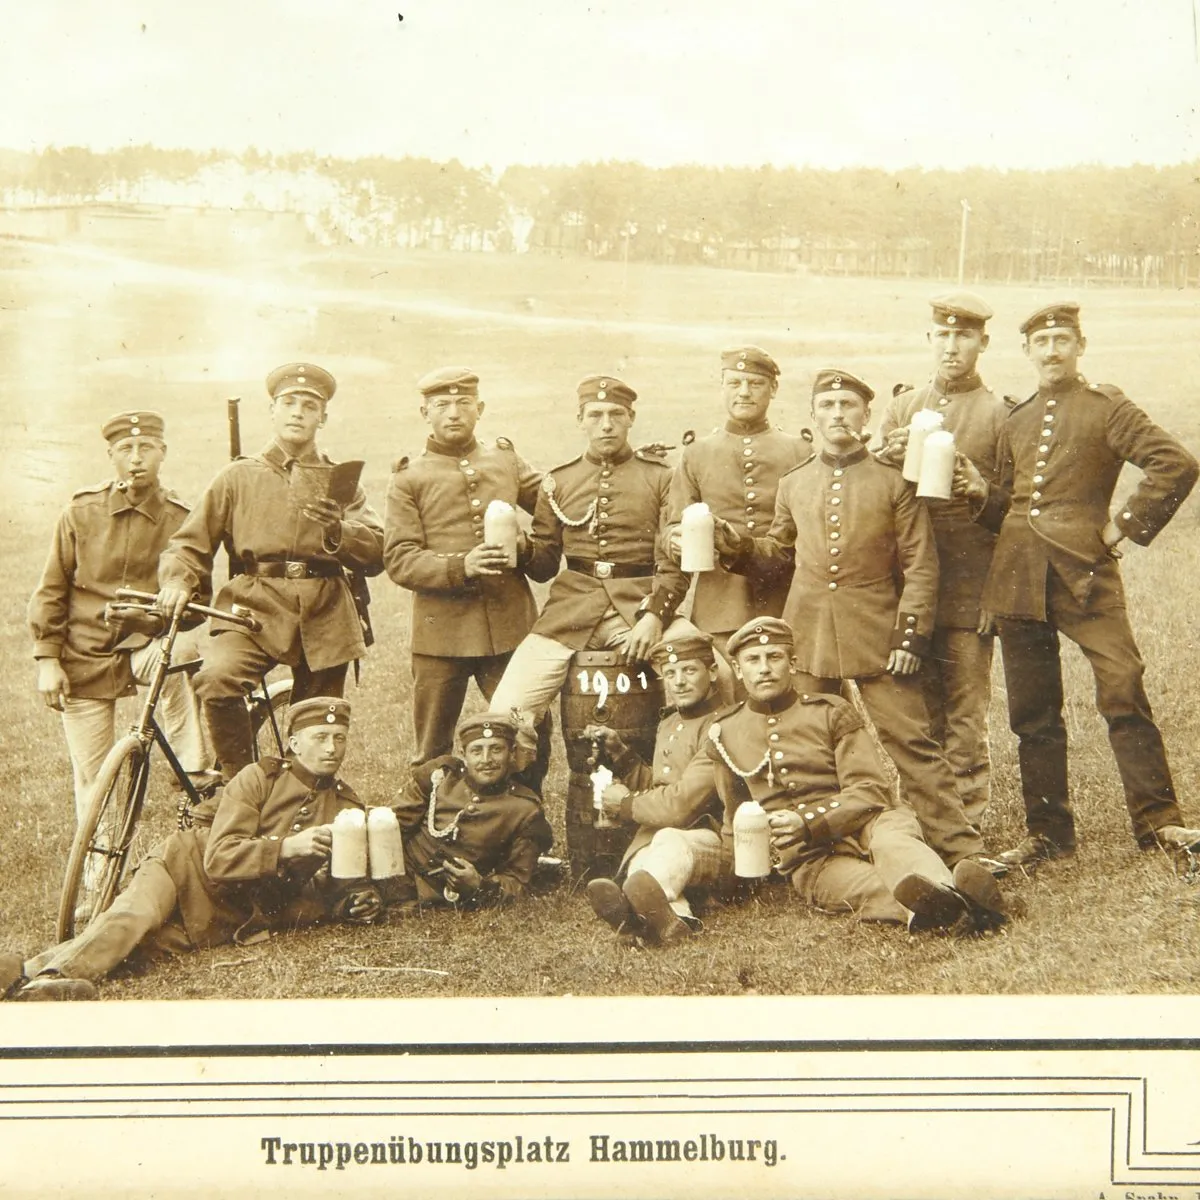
{"points": [[277, 456], [844, 460], [152, 506], [436, 447], [624, 455], [1061, 389], [746, 429], [955, 387], [710, 703], [778, 705], [303, 776]]}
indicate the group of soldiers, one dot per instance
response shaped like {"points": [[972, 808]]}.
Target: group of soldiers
{"points": [[844, 619]]}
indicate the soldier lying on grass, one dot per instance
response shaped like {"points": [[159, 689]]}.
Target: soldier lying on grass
{"points": [[472, 834], [838, 834], [260, 867]]}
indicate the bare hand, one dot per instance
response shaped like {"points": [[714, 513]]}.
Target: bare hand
{"points": [[52, 683], [612, 798], [642, 636], [894, 447], [786, 828], [173, 600], [967, 483], [1111, 535], [987, 623], [315, 842], [328, 514], [725, 538], [363, 906], [462, 875], [486, 559], [614, 745], [903, 662]]}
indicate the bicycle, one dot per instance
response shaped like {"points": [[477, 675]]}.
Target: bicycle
{"points": [[103, 849]]}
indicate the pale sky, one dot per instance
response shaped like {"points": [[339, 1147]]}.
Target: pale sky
{"points": [[889, 83]]}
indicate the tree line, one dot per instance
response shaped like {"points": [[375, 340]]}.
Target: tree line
{"points": [[1136, 223]]}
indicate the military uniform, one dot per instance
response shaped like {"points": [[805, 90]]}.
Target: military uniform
{"points": [[736, 471], [606, 516], [284, 570], [1060, 454], [860, 553], [461, 628], [956, 674], [500, 830], [206, 886], [103, 542], [815, 756]]}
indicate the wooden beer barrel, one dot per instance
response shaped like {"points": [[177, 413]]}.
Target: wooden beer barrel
{"points": [[603, 689]]}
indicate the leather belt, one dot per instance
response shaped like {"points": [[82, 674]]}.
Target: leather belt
{"points": [[301, 568], [609, 570]]}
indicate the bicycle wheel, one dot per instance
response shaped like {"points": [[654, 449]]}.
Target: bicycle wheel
{"points": [[267, 716], [100, 851]]}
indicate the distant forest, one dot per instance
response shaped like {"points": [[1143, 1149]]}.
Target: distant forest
{"points": [[1137, 224]]}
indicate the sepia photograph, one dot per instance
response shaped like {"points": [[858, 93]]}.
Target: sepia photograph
{"points": [[599, 596]]}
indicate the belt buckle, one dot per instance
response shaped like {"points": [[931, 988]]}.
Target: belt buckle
{"points": [[603, 570], [295, 570]]}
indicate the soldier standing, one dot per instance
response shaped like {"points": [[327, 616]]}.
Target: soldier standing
{"points": [[858, 549], [471, 604], [957, 672], [287, 566], [735, 471], [110, 536], [1055, 571]]}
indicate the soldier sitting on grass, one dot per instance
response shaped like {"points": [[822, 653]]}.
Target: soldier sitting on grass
{"points": [[260, 867], [472, 834], [673, 802], [837, 832]]}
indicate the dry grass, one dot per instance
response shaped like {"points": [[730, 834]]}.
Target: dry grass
{"points": [[79, 347]]}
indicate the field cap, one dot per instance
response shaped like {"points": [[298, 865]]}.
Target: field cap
{"points": [[836, 380], [449, 381], [749, 358], [486, 725], [696, 645], [761, 631], [318, 710], [605, 387], [133, 424], [1063, 315], [301, 377], [959, 310]]}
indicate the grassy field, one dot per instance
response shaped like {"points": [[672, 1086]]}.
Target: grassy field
{"points": [[87, 332]]}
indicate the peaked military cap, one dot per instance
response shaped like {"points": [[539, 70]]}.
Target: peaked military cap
{"points": [[1063, 315], [689, 646], [761, 631], [836, 380], [605, 387], [486, 725], [749, 358], [133, 424], [301, 377], [959, 310], [449, 381], [317, 710]]}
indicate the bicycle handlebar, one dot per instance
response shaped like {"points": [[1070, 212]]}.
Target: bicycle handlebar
{"points": [[244, 619]]}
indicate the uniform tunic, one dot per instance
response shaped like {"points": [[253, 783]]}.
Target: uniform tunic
{"points": [[500, 831], [621, 506], [975, 415], [248, 509], [858, 550], [1060, 455], [435, 508], [101, 542], [736, 471], [677, 790], [813, 755]]}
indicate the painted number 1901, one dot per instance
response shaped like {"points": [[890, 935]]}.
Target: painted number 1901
{"points": [[597, 683]]}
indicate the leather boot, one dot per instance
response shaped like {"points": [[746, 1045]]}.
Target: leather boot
{"points": [[229, 730]]}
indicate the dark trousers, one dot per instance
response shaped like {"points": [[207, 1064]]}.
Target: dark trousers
{"points": [[439, 689], [1033, 677]]}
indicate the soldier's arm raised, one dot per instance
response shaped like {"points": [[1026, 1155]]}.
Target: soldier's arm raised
{"points": [[357, 542], [237, 850]]}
